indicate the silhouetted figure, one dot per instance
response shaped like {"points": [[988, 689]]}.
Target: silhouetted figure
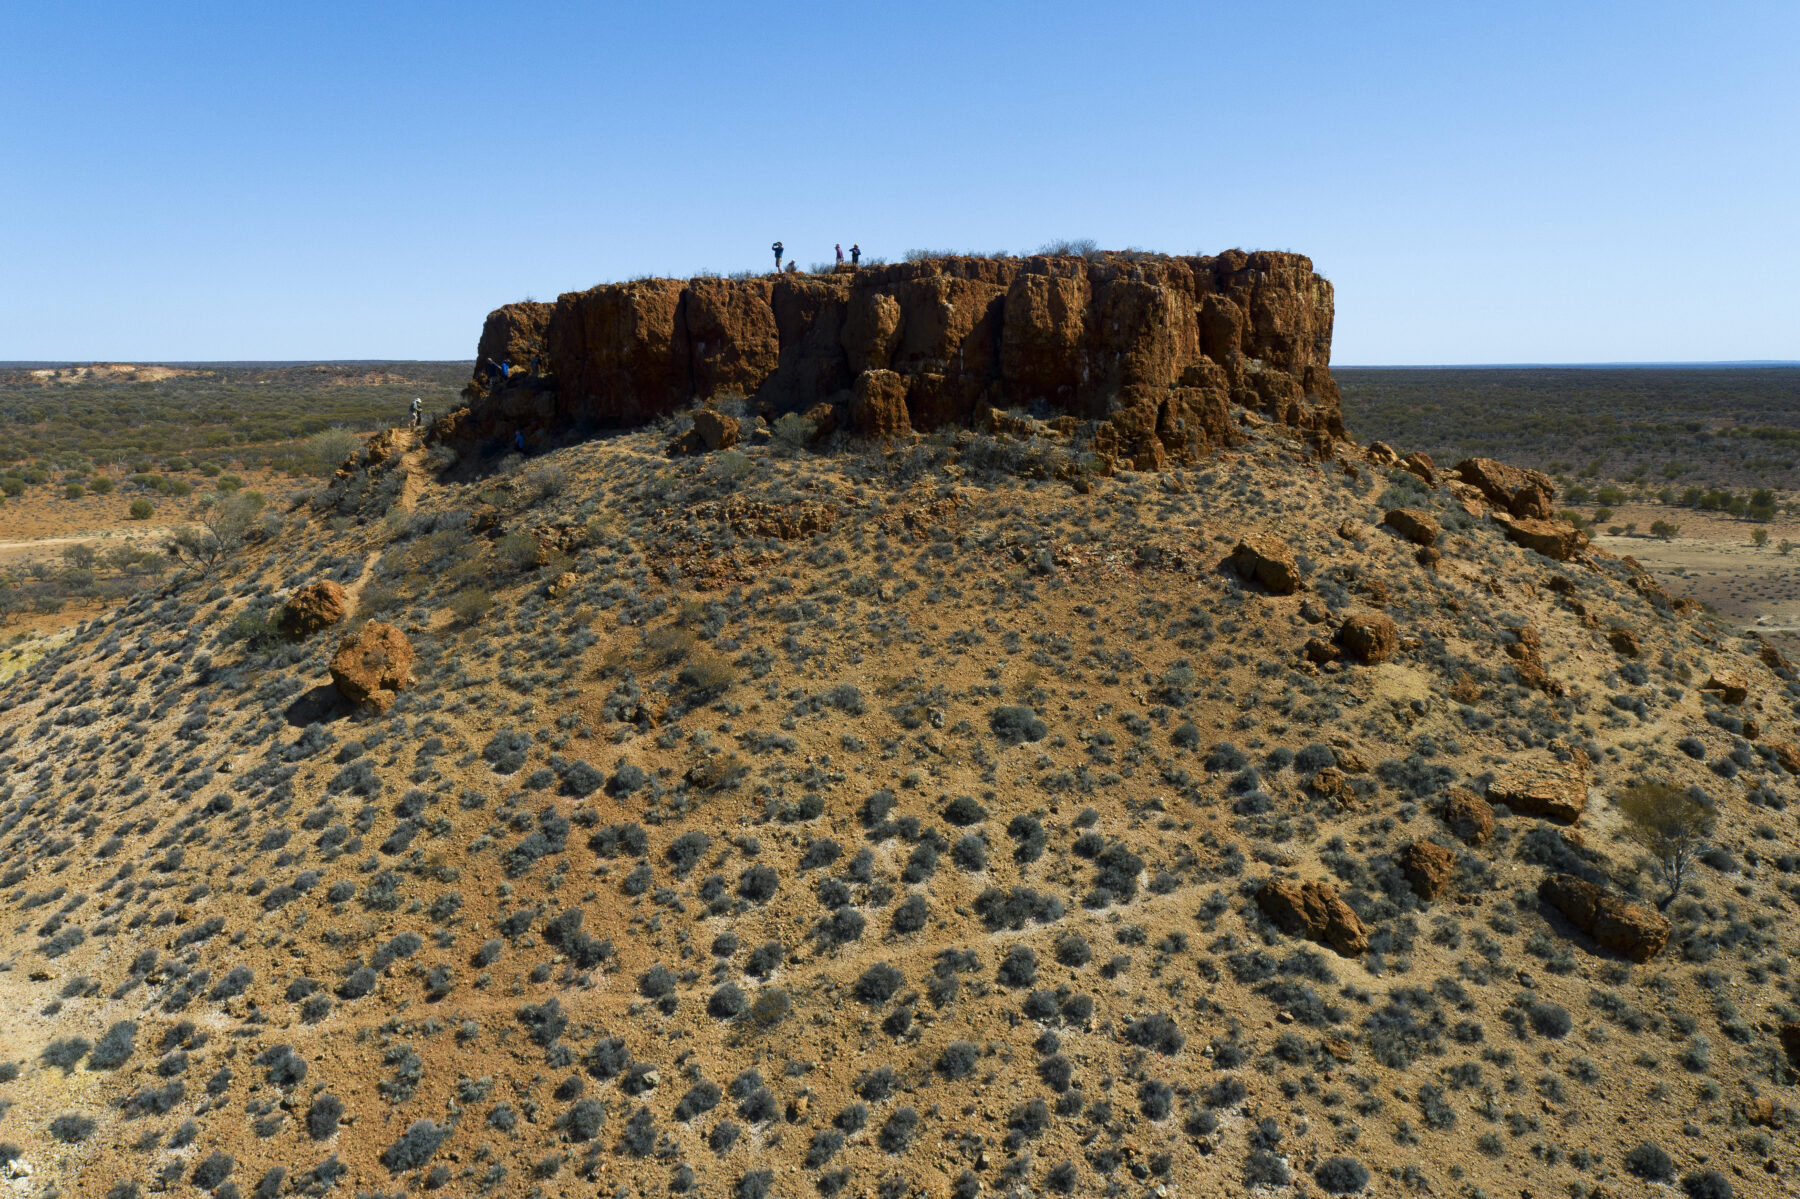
{"points": [[778, 248], [855, 254], [839, 247]]}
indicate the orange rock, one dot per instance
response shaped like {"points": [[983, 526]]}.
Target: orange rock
{"points": [[1418, 527], [1555, 539], [1519, 492], [1315, 911], [1467, 815], [1727, 686], [1625, 642], [1369, 637], [373, 665], [1420, 464], [1556, 795], [1267, 560], [1786, 755], [878, 405], [1429, 867], [313, 607], [1631, 929]]}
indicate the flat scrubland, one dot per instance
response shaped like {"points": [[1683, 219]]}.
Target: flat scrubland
{"points": [[892, 821]]}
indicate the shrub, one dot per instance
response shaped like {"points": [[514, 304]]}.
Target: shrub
{"points": [[322, 1117], [1015, 724], [1706, 1184], [71, 1129], [727, 1002], [911, 915], [415, 1146], [898, 1131], [285, 1067], [1341, 1175], [701, 1098], [214, 1170], [958, 1059], [1019, 967], [1650, 1162], [65, 1053], [1156, 1031], [878, 984], [771, 1007], [141, 509], [1155, 1099]]}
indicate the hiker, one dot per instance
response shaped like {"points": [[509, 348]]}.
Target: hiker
{"points": [[418, 412], [855, 254], [506, 370], [839, 247], [489, 368], [777, 247], [519, 440]]}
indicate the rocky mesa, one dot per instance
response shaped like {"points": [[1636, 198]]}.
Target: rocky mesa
{"points": [[1154, 351]]}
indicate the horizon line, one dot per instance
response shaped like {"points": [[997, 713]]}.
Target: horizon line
{"points": [[1698, 364]]}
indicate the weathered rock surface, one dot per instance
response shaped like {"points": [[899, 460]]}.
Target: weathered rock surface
{"points": [[1624, 642], [1526, 493], [1369, 637], [1527, 653], [313, 607], [1314, 911], [1267, 561], [1555, 539], [1556, 794], [1785, 755], [1790, 1043], [878, 405], [1421, 465], [712, 431], [1429, 867], [1157, 351], [1626, 928], [1468, 816], [1418, 527], [373, 665]]}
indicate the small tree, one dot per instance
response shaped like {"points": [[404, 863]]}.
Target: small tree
{"points": [[1759, 537], [225, 523], [1663, 529], [1672, 825]]}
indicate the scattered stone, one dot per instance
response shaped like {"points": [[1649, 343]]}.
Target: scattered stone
{"points": [[1526, 652], [1429, 867], [1631, 929], [1353, 530], [1625, 642], [561, 585], [1727, 686], [1526, 493], [1349, 761], [1319, 650], [1268, 561], [1329, 783], [1555, 795], [1555, 539], [313, 607], [1773, 658], [717, 431], [1467, 815], [1313, 612], [1369, 637], [1315, 911], [373, 665], [1420, 528], [1429, 556], [1382, 454]]}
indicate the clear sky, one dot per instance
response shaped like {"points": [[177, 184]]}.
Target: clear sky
{"points": [[1483, 182]]}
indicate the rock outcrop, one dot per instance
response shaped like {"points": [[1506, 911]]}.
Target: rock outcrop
{"points": [[373, 665], [313, 607], [1626, 928], [1314, 911], [1524, 493], [1420, 528], [1555, 539], [1156, 351]]}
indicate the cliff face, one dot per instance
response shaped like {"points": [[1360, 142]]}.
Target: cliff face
{"points": [[1152, 349]]}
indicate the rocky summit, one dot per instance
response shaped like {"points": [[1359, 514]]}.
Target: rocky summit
{"points": [[832, 761]]}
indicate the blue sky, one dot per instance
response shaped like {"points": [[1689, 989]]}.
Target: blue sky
{"points": [[1510, 182]]}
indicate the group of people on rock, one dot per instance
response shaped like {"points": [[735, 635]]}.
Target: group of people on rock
{"points": [[855, 256]]}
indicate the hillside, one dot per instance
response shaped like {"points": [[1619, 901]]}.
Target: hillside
{"points": [[734, 806]]}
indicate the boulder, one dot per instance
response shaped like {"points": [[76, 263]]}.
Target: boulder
{"points": [[1555, 539], [561, 585], [1267, 561], [1520, 492], [1559, 794], [1727, 686], [1429, 867], [1319, 650], [878, 405], [1314, 911], [1624, 642], [1773, 658], [373, 665], [1329, 782], [1421, 465], [1353, 530], [1428, 556], [1382, 454], [1626, 928], [1369, 637], [1790, 1042], [1526, 652], [1785, 755], [313, 607], [1418, 527], [717, 431], [1467, 815]]}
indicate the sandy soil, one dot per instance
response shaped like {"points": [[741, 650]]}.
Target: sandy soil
{"points": [[1714, 561]]}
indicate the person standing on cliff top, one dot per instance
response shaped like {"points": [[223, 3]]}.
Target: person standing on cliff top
{"points": [[855, 254], [839, 247], [777, 247], [418, 412]]}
